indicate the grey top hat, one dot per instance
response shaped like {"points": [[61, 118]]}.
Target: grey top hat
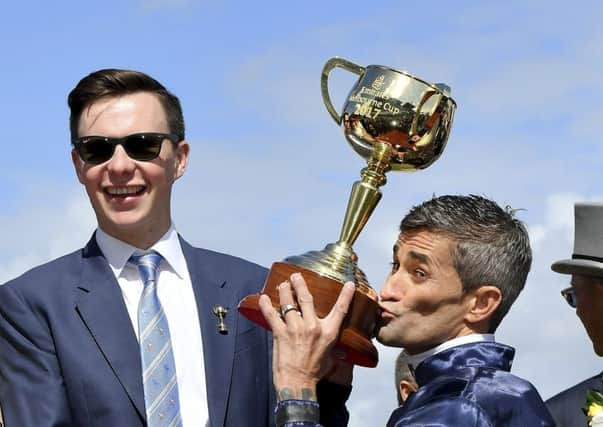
{"points": [[587, 258]]}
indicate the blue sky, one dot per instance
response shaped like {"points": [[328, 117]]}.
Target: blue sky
{"points": [[270, 172]]}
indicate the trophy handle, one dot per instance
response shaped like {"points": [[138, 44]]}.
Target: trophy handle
{"points": [[324, 81]]}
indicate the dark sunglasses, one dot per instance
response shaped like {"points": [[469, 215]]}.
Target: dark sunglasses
{"points": [[143, 146], [569, 295]]}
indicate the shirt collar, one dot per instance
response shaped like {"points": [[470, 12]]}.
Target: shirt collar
{"points": [[117, 253], [416, 359]]}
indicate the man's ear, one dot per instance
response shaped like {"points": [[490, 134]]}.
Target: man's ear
{"points": [[182, 151], [77, 165], [482, 304], [406, 389]]}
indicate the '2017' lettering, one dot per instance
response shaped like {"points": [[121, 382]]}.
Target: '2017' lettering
{"points": [[366, 109]]}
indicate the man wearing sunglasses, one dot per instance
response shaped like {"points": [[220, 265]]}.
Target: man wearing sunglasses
{"points": [[585, 295], [124, 331]]}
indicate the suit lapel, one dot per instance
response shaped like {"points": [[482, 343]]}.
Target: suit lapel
{"points": [[101, 307], [211, 289]]}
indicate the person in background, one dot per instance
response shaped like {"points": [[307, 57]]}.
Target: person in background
{"points": [[405, 379], [585, 295]]}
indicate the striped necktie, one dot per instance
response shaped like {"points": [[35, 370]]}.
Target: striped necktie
{"points": [[158, 367]]}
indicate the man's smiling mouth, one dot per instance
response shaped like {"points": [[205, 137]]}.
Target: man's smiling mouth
{"points": [[125, 191]]}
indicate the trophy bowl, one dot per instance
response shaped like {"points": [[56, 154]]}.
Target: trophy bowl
{"points": [[385, 105], [396, 122]]}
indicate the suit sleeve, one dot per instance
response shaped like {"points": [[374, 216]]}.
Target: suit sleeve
{"points": [[270, 385], [332, 398], [32, 391]]}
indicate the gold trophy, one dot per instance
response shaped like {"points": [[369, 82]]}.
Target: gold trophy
{"points": [[396, 122]]}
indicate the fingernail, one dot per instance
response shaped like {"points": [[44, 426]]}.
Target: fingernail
{"points": [[296, 276], [283, 285], [350, 285]]}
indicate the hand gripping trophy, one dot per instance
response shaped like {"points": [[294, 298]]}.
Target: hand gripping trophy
{"points": [[396, 122]]}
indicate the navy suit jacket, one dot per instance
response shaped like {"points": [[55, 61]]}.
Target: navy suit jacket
{"points": [[69, 355], [566, 406]]}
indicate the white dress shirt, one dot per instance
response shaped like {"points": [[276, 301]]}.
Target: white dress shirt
{"points": [[175, 292], [416, 359]]}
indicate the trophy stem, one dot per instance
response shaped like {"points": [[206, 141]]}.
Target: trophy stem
{"points": [[365, 194]]}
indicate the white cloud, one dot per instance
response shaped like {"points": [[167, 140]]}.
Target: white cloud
{"points": [[50, 222], [558, 224]]}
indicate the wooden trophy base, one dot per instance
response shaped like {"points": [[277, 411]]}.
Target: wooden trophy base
{"points": [[357, 328]]}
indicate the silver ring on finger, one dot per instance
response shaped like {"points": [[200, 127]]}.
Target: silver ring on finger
{"points": [[287, 308]]}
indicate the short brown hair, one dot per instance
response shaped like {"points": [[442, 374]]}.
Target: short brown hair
{"points": [[114, 82]]}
